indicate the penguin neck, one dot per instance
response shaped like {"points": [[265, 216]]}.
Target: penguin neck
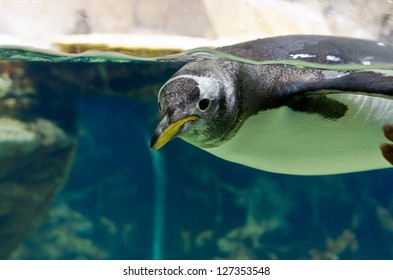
{"points": [[256, 89], [260, 86]]}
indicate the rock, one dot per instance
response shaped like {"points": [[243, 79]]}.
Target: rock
{"points": [[36, 152]]}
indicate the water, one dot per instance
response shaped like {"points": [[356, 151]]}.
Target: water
{"points": [[28, 54], [122, 201]]}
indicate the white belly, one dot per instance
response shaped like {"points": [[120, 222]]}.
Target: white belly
{"points": [[285, 141]]}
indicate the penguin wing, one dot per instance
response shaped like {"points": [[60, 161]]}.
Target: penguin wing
{"points": [[312, 96], [370, 83]]}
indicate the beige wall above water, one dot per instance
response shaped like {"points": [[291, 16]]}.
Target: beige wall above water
{"points": [[39, 22]]}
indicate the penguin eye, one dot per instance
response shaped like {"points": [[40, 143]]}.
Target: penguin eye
{"points": [[204, 104]]}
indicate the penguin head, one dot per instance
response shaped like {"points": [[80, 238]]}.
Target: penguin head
{"points": [[199, 108]]}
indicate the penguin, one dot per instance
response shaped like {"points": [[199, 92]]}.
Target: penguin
{"points": [[281, 118]]}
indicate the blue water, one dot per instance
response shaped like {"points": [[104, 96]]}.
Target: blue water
{"points": [[213, 208], [123, 202]]}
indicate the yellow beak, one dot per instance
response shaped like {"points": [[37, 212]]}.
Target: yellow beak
{"points": [[164, 133]]}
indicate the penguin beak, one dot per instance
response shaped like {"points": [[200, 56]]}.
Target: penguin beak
{"points": [[165, 131]]}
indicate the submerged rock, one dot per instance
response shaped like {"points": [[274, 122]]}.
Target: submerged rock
{"points": [[37, 143]]}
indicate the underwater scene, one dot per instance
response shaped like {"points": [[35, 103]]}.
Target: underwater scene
{"points": [[78, 178]]}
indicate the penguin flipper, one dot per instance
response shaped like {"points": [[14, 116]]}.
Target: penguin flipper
{"points": [[312, 96], [363, 82]]}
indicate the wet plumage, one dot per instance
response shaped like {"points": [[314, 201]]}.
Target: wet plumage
{"points": [[282, 118]]}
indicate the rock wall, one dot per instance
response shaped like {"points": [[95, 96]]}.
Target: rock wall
{"points": [[39, 22]]}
